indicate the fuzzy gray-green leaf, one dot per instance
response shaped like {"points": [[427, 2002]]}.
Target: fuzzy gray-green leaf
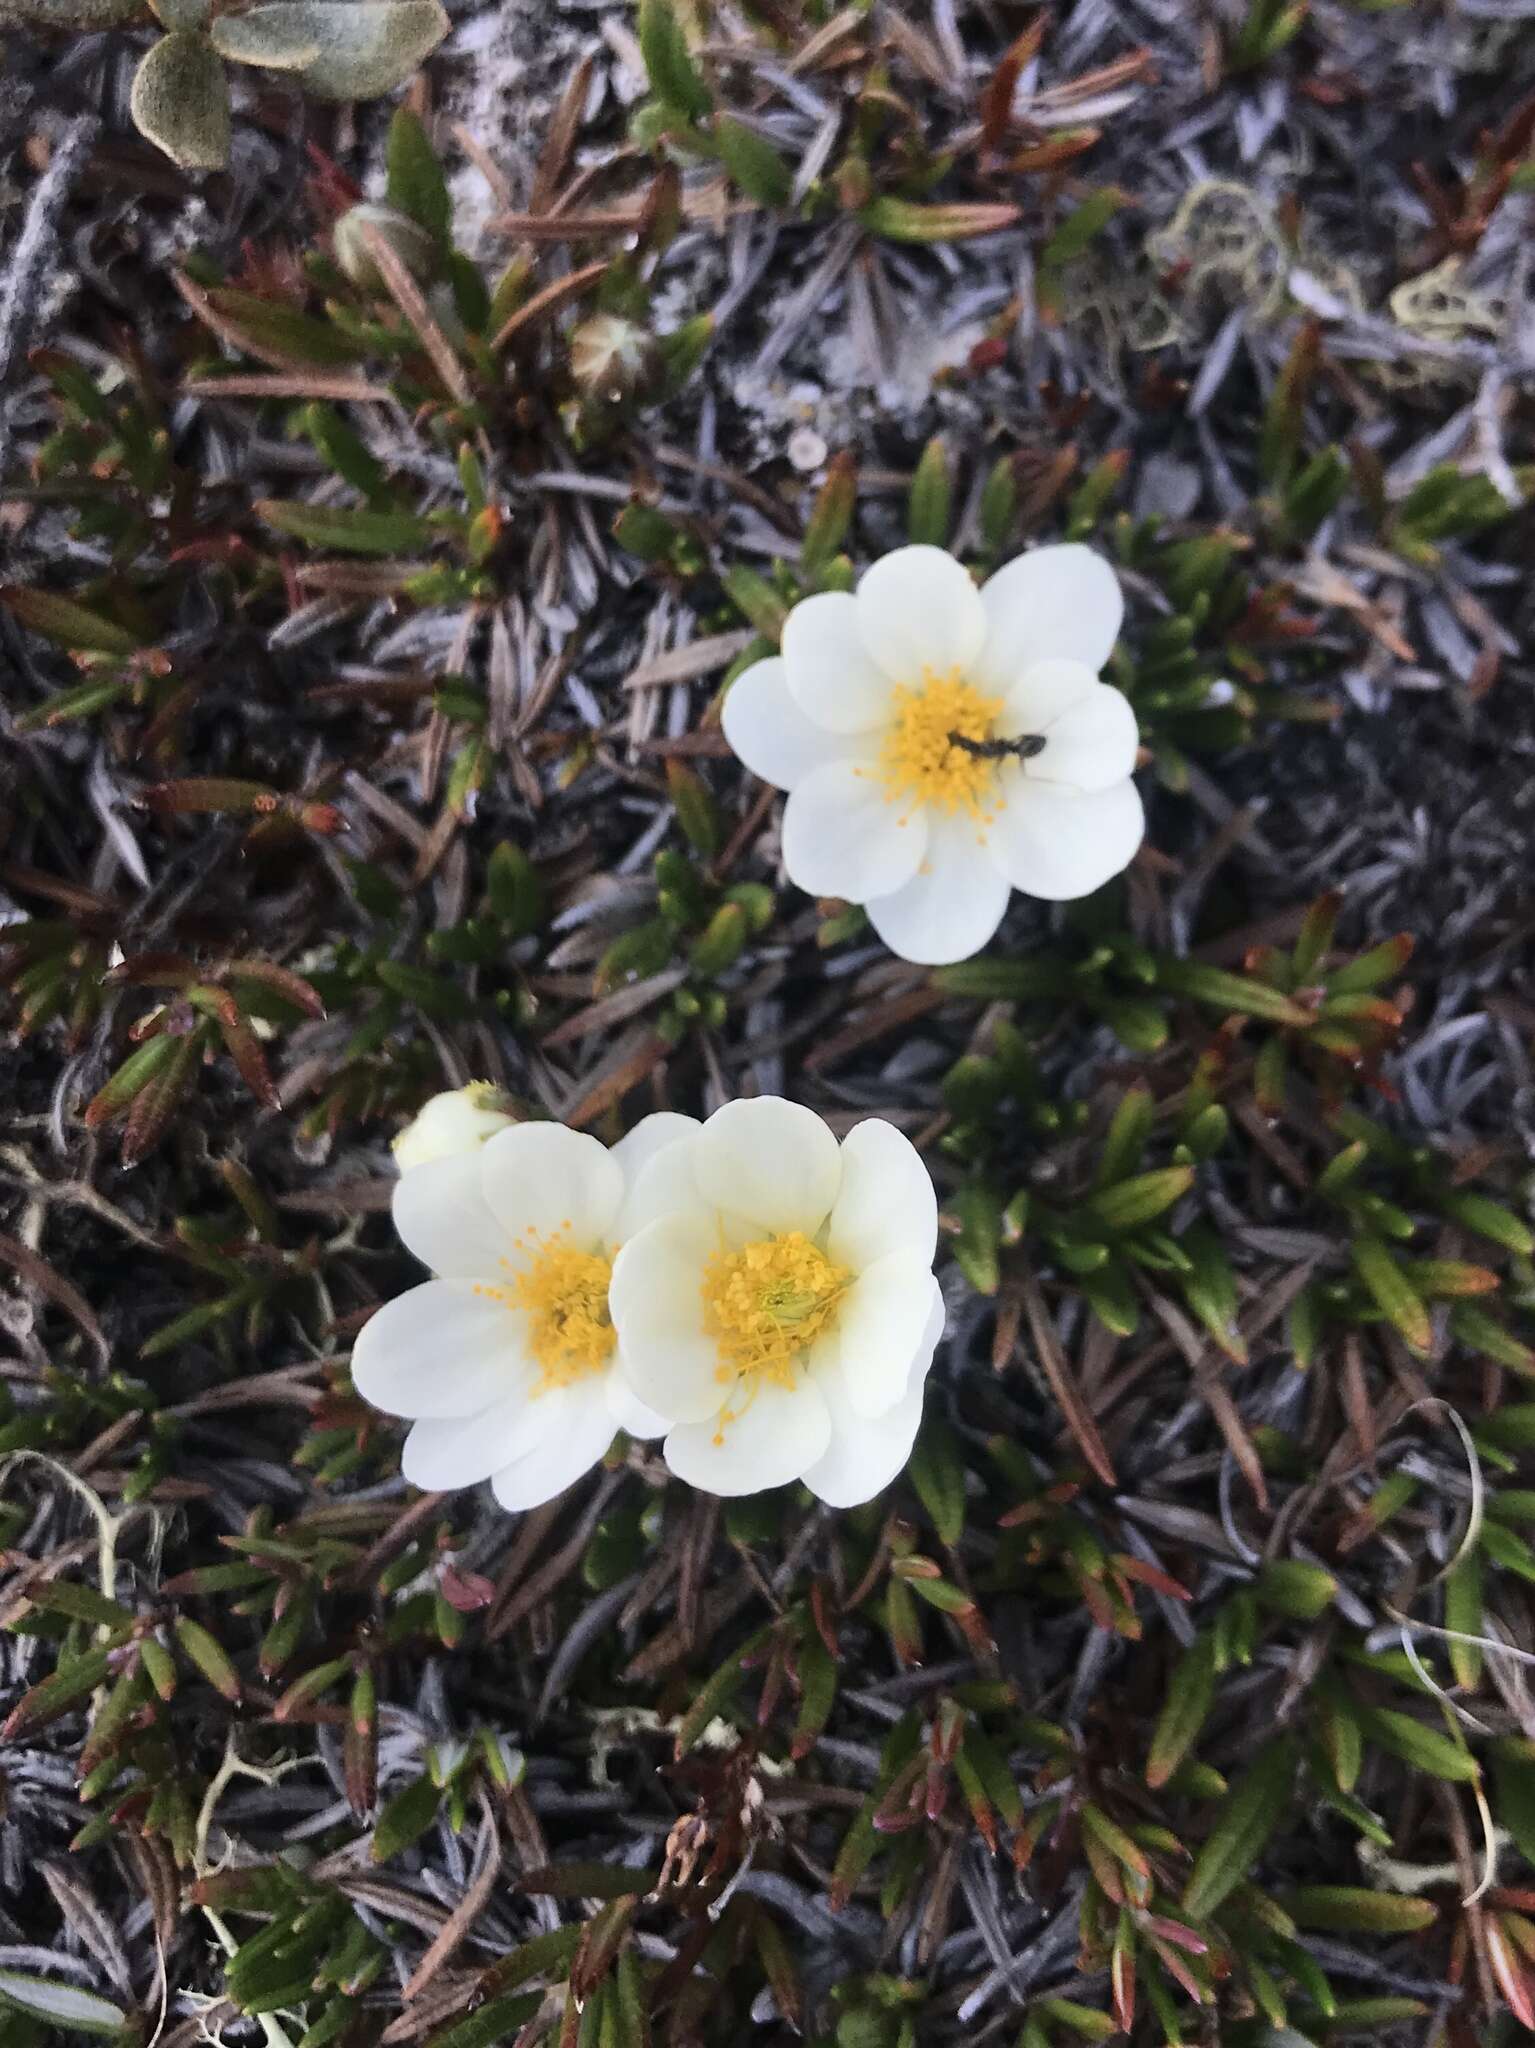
{"points": [[180, 101], [340, 49]]}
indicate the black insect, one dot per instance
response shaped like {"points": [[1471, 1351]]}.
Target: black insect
{"points": [[1024, 748]]}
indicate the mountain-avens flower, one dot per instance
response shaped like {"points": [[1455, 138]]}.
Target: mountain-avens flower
{"points": [[506, 1362], [459, 1120], [781, 1305], [944, 745]]}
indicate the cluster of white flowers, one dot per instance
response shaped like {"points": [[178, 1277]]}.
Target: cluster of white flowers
{"points": [[943, 745], [747, 1288]]}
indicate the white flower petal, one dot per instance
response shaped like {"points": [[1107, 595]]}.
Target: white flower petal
{"points": [[780, 1434], [441, 1215], [439, 1349], [918, 610], [464, 1449], [772, 1162], [629, 1411], [886, 1203], [827, 667], [881, 1326], [772, 736], [843, 834], [656, 1301], [581, 1430], [864, 1453], [1059, 843], [657, 1165], [458, 1120], [1092, 744], [1057, 602], [1043, 693], [544, 1178], [951, 907]]}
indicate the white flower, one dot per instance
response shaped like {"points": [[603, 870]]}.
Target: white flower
{"points": [[882, 718], [458, 1121], [506, 1361], [782, 1306]]}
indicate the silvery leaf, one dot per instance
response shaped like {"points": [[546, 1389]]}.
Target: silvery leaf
{"points": [[340, 49], [180, 101]]}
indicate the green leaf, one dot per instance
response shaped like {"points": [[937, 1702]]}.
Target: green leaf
{"points": [[929, 506], [56, 1694], [757, 600], [818, 1692], [180, 101], [1190, 1691], [1349, 1909], [753, 162], [1073, 236], [1248, 1816], [1124, 1143], [913, 220], [416, 184], [499, 2019], [269, 328], [60, 2005], [1463, 1614], [937, 1470], [1489, 1219], [697, 812], [65, 623], [80, 1603], [209, 1655], [1230, 991], [340, 49], [1514, 1781], [1291, 1587], [1426, 1749], [1392, 1292], [1137, 1200], [674, 78], [405, 1819], [354, 529], [978, 1246]]}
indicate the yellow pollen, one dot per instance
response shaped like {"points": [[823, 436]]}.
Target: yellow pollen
{"points": [[765, 1305], [920, 763], [564, 1295]]}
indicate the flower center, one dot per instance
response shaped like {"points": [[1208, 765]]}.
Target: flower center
{"points": [[925, 758], [765, 1305], [564, 1295]]}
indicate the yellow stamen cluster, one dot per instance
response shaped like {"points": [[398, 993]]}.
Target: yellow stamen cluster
{"points": [[765, 1305], [563, 1293], [920, 764]]}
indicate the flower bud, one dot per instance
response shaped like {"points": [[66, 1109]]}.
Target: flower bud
{"points": [[456, 1121], [409, 240], [612, 358]]}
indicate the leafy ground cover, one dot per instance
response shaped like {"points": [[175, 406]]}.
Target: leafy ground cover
{"points": [[384, 521]]}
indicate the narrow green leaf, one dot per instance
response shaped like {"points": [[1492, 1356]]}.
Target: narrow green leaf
{"points": [[1426, 1749], [1137, 1200], [753, 162], [354, 529], [1190, 1691], [64, 2006], [1248, 1816], [66, 623], [937, 1471], [929, 505], [1349, 1909], [1392, 1292], [416, 184], [674, 77]]}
